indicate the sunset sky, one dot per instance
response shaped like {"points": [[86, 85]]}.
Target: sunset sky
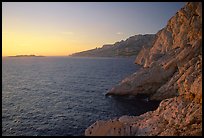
{"points": [[63, 28]]}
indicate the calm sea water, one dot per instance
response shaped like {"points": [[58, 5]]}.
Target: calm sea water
{"points": [[64, 95]]}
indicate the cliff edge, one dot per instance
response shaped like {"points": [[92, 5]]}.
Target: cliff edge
{"points": [[172, 73]]}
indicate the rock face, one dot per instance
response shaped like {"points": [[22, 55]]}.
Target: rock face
{"points": [[129, 47], [146, 81], [172, 73]]}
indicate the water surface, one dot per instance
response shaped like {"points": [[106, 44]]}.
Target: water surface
{"points": [[63, 95]]}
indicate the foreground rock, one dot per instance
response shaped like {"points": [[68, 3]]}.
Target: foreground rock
{"points": [[172, 73], [175, 116]]}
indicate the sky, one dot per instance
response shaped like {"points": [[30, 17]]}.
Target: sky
{"points": [[63, 28]]}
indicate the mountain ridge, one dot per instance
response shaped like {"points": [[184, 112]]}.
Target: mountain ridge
{"points": [[129, 47]]}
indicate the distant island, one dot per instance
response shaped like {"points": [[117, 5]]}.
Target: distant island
{"points": [[26, 56]]}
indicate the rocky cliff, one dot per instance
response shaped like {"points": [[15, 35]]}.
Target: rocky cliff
{"points": [[172, 73], [129, 47]]}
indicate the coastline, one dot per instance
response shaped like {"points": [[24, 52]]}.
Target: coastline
{"points": [[172, 72]]}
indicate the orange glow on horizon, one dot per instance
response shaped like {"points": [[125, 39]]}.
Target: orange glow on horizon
{"points": [[45, 45]]}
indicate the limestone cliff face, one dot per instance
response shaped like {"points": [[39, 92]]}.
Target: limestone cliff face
{"points": [[182, 30], [172, 61], [172, 73]]}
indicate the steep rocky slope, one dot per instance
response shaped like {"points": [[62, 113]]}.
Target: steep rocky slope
{"points": [[129, 47], [172, 73]]}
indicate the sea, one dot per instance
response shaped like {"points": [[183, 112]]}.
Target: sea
{"points": [[62, 96]]}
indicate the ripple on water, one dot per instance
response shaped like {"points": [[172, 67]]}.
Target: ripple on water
{"points": [[63, 96]]}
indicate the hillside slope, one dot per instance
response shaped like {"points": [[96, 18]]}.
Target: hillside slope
{"points": [[129, 47]]}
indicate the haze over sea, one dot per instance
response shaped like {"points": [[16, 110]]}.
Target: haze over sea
{"points": [[64, 95]]}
